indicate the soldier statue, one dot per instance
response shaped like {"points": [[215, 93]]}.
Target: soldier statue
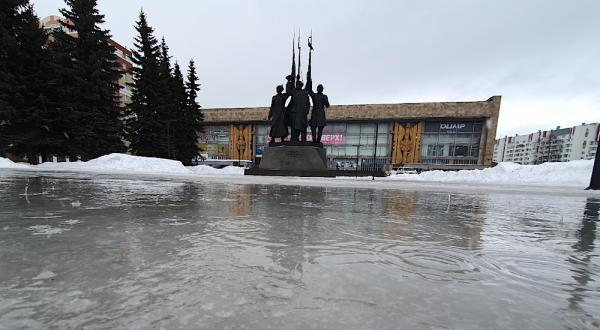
{"points": [[299, 106], [277, 115], [317, 117]]}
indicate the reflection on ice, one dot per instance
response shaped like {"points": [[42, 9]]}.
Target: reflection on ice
{"points": [[167, 254]]}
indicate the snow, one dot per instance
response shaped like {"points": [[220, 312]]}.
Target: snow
{"points": [[47, 274], [568, 174], [7, 163], [121, 163], [574, 174], [126, 164], [206, 170]]}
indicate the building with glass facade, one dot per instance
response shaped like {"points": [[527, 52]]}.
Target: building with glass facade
{"points": [[441, 135]]}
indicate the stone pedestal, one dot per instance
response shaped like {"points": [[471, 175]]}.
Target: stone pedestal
{"points": [[293, 159]]}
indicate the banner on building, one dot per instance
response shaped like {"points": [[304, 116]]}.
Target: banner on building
{"points": [[333, 136]]}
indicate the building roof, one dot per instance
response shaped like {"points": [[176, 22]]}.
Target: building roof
{"points": [[376, 112]]}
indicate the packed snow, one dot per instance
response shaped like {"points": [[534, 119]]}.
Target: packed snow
{"points": [[574, 174], [7, 163], [128, 164], [568, 174]]}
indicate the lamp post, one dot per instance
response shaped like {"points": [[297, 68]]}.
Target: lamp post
{"points": [[375, 151], [595, 180]]}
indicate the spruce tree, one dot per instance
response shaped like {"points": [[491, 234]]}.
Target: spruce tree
{"points": [[94, 104], [166, 108], [25, 112], [179, 97], [144, 127], [193, 118]]}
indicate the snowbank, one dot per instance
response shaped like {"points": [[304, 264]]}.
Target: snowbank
{"points": [[569, 174], [122, 163], [7, 163], [205, 170]]}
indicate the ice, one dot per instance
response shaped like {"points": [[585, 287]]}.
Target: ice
{"points": [[44, 275], [71, 222], [46, 230], [279, 253]]}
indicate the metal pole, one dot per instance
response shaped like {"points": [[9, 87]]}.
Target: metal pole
{"points": [[168, 140], [357, 150], [595, 180], [375, 151]]}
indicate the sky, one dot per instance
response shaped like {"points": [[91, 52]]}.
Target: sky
{"points": [[542, 56]]}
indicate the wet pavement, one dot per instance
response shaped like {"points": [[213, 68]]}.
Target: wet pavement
{"points": [[95, 252]]}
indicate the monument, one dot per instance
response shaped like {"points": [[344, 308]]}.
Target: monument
{"points": [[293, 154]]}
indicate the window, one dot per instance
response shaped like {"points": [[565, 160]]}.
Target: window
{"points": [[455, 139], [435, 150], [461, 151]]}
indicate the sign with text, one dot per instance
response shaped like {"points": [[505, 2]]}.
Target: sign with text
{"points": [[329, 137], [453, 126]]}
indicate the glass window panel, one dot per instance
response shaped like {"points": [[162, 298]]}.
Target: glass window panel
{"points": [[366, 151], [352, 139], [383, 128], [424, 149], [429, 138], [435, 150], [383, 139], [464, 138], [446, 138], [353, 129], [459, 151], [350, 151], [367, 140], [382, 151], [367, 128], [474, 151]]}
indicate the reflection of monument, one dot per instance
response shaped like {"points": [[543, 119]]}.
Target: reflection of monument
{"points": [[581, 260], [295, 155]]}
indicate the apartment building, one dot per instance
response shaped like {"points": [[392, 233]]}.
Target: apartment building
{"points": [[123, 55], [557, 145]]}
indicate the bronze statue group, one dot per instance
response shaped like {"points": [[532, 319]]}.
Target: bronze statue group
{"points": [[294, 116]]}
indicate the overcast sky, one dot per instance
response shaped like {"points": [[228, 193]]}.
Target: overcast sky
{"points": [[542, 56]]}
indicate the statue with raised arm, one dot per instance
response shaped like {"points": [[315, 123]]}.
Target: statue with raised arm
{"points": [[317, 117], [277, 115]]}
